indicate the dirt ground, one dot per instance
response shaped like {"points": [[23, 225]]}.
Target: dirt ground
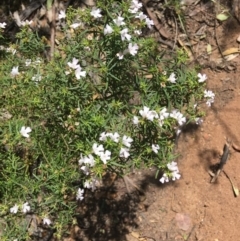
{"points": [[192, 208]]}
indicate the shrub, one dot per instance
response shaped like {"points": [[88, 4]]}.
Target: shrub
{"points": [[108, 101]]}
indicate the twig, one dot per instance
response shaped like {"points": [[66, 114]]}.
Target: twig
{"points": [[53, 29], [235, 189], [169, 44], [223, 161], [215, 34], [176, 33]]}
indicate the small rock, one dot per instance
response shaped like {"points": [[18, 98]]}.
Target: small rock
{"points": [[183, 221]]}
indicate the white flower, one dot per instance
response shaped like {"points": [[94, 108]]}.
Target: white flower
{"points": [[114, 137], [14, 71], [138, 32], [135, 120], [178, 131], [14, 209], [103, 136], [148, 114], [149, 23], [38, 61], [96, 12], [174, 170], [141, 16], [135, 5], [210, 95], [155, 148], [132, 48], [209, 102], [47, 221], [105, 156], [82, 160], [124, 152], [25, 207], [107, 30], [24, 131], [172, 166], [91, 183], [163, 114], [144, 112], [90, 160], [85, 170], [126, 140], [3, 25], [80, 193], [164, 178], [175, 175], [125, 35], [79, 73], [87, 184], [12, 50], [37, 78], [74, 64], [151, 115], [198, 120], [28, 62], [177, 115], [172, 78], [62, 14], [119, 21], [160, 122], [120, 55], [87, 160], [75, 25], [97, 149], [174, 114], [201, 77]]}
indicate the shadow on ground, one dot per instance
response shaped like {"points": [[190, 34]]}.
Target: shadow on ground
{"points": [[110, 212]]}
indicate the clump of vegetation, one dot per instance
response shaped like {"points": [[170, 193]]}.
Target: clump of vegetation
{"points": [[106, 102]]}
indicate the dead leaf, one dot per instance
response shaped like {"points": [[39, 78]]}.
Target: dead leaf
{"points": [[209, 49], [222, 16], [186, 49], [231, 51], [135, 234], [230, 57]]}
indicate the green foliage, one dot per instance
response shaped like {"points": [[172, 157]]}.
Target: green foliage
{"points": [[68, 114]]}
